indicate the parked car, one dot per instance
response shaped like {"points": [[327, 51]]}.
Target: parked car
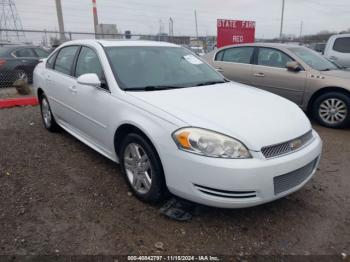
{"points": [[338, 49], [297, 73], [318, 47], [18, 62], [198, 50], [174, 123]]}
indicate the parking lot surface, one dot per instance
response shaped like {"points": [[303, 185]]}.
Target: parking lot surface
{"points": [[58, 196]]}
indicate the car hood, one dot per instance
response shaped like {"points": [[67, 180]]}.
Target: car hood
{"points": [[344, 74], [255, 117]]}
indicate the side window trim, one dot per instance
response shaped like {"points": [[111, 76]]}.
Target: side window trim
{"points": [[76, 62], [54, 56], [72, 66]]}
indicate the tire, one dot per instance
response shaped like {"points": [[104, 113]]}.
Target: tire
{"points": [[142, 168], [332, 109], [47, 116], [21, 74]]}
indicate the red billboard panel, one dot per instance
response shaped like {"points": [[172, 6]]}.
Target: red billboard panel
{"points": [[231, 32]]}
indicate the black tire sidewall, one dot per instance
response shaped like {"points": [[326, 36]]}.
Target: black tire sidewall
{"points": [[156, 193], [54, 126], [338, 95]]}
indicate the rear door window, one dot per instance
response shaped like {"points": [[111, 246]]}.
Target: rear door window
{"points": [[65, 59], [241, 55], [342, 45], [24, 52]]}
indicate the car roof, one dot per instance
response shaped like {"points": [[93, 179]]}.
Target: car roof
{"points": [[272, 45], [120, 42], [340, 35]]}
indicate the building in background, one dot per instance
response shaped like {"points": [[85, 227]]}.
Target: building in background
{"points": [[107, 31]]}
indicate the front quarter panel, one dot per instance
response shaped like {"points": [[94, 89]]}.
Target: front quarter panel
{"points": [[39, 77]]}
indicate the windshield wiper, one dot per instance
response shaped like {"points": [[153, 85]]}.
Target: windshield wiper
{"points": [[153, 88], [327, 69], [210, 83]]}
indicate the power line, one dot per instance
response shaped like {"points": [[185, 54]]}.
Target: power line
{"points": [[10, 19]]}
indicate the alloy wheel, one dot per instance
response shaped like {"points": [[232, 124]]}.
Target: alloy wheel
{"points": [[138, 168], [46, 112], [333, 111]]}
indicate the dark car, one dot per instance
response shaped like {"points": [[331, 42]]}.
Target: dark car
{"points": [[18, 62]]}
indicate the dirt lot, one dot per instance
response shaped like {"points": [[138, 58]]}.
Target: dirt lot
{"points": [[59, 196]]}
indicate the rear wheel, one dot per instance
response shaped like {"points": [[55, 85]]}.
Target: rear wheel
{"points": [[47, 116], [332, 109], [142, 168], [21, 75]]}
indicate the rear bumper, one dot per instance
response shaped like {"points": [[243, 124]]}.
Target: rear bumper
{"points": [[238, 183]]}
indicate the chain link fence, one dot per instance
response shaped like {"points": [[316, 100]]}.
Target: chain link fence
{"points": [[49, 40]]}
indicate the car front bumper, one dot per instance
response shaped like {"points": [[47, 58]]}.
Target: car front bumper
{"points": [[239, 183]]}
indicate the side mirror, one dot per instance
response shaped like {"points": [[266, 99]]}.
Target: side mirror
{"points": [[293, 66], [89, 80]]}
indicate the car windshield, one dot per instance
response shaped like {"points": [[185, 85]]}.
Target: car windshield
{"points": [[158, 68], [313, 59]]}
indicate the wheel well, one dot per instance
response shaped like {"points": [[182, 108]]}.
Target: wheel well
{"points": [[324, 91], [124, 130], [40, 93]]}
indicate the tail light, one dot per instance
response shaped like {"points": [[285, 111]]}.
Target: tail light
{"points": [[2, 62]]}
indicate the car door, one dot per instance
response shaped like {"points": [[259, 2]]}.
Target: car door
{"points": [[271, 74], [60, 83], [235, 63], [92, 104], [339, 51]]}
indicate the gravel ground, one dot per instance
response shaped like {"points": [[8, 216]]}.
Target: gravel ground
{"points": [[58, 196]]}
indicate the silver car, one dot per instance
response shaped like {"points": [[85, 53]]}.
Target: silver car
{"points": [[297, 73]]}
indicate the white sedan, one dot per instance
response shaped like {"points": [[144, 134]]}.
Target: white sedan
{"points": [[175, 124]]}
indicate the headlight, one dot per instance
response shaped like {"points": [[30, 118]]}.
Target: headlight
{"points": [[209, 143]]}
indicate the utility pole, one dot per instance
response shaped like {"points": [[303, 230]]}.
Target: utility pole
{"points": [[301, 31], [282, 18], [60, 19], [171, 28], [94, 13], [195, 18]]}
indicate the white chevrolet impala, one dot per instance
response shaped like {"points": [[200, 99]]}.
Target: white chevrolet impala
{"points": [[175, 124]]}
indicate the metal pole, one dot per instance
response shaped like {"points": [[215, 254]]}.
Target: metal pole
{"points": [[60, 19], [282, 18], [195, 17], [301, 31], [94, 11]]}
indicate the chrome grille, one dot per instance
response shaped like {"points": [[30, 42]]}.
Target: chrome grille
{"points": [[288, 181], [287, 147]]}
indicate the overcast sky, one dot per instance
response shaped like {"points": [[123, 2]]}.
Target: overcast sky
{"points": [[143, 16]]}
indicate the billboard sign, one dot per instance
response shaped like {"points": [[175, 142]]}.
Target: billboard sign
{"points": [[231, 32]]}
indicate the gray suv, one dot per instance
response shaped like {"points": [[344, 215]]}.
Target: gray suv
{"points": [[297, 73]]}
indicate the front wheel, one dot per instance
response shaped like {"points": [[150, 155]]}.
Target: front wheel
{"points": [[142, 168], [332, 110]]}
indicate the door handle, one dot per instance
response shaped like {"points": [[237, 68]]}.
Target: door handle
{"points": [[333, 58], [73, 89], [220, 70], [259, 75]]}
